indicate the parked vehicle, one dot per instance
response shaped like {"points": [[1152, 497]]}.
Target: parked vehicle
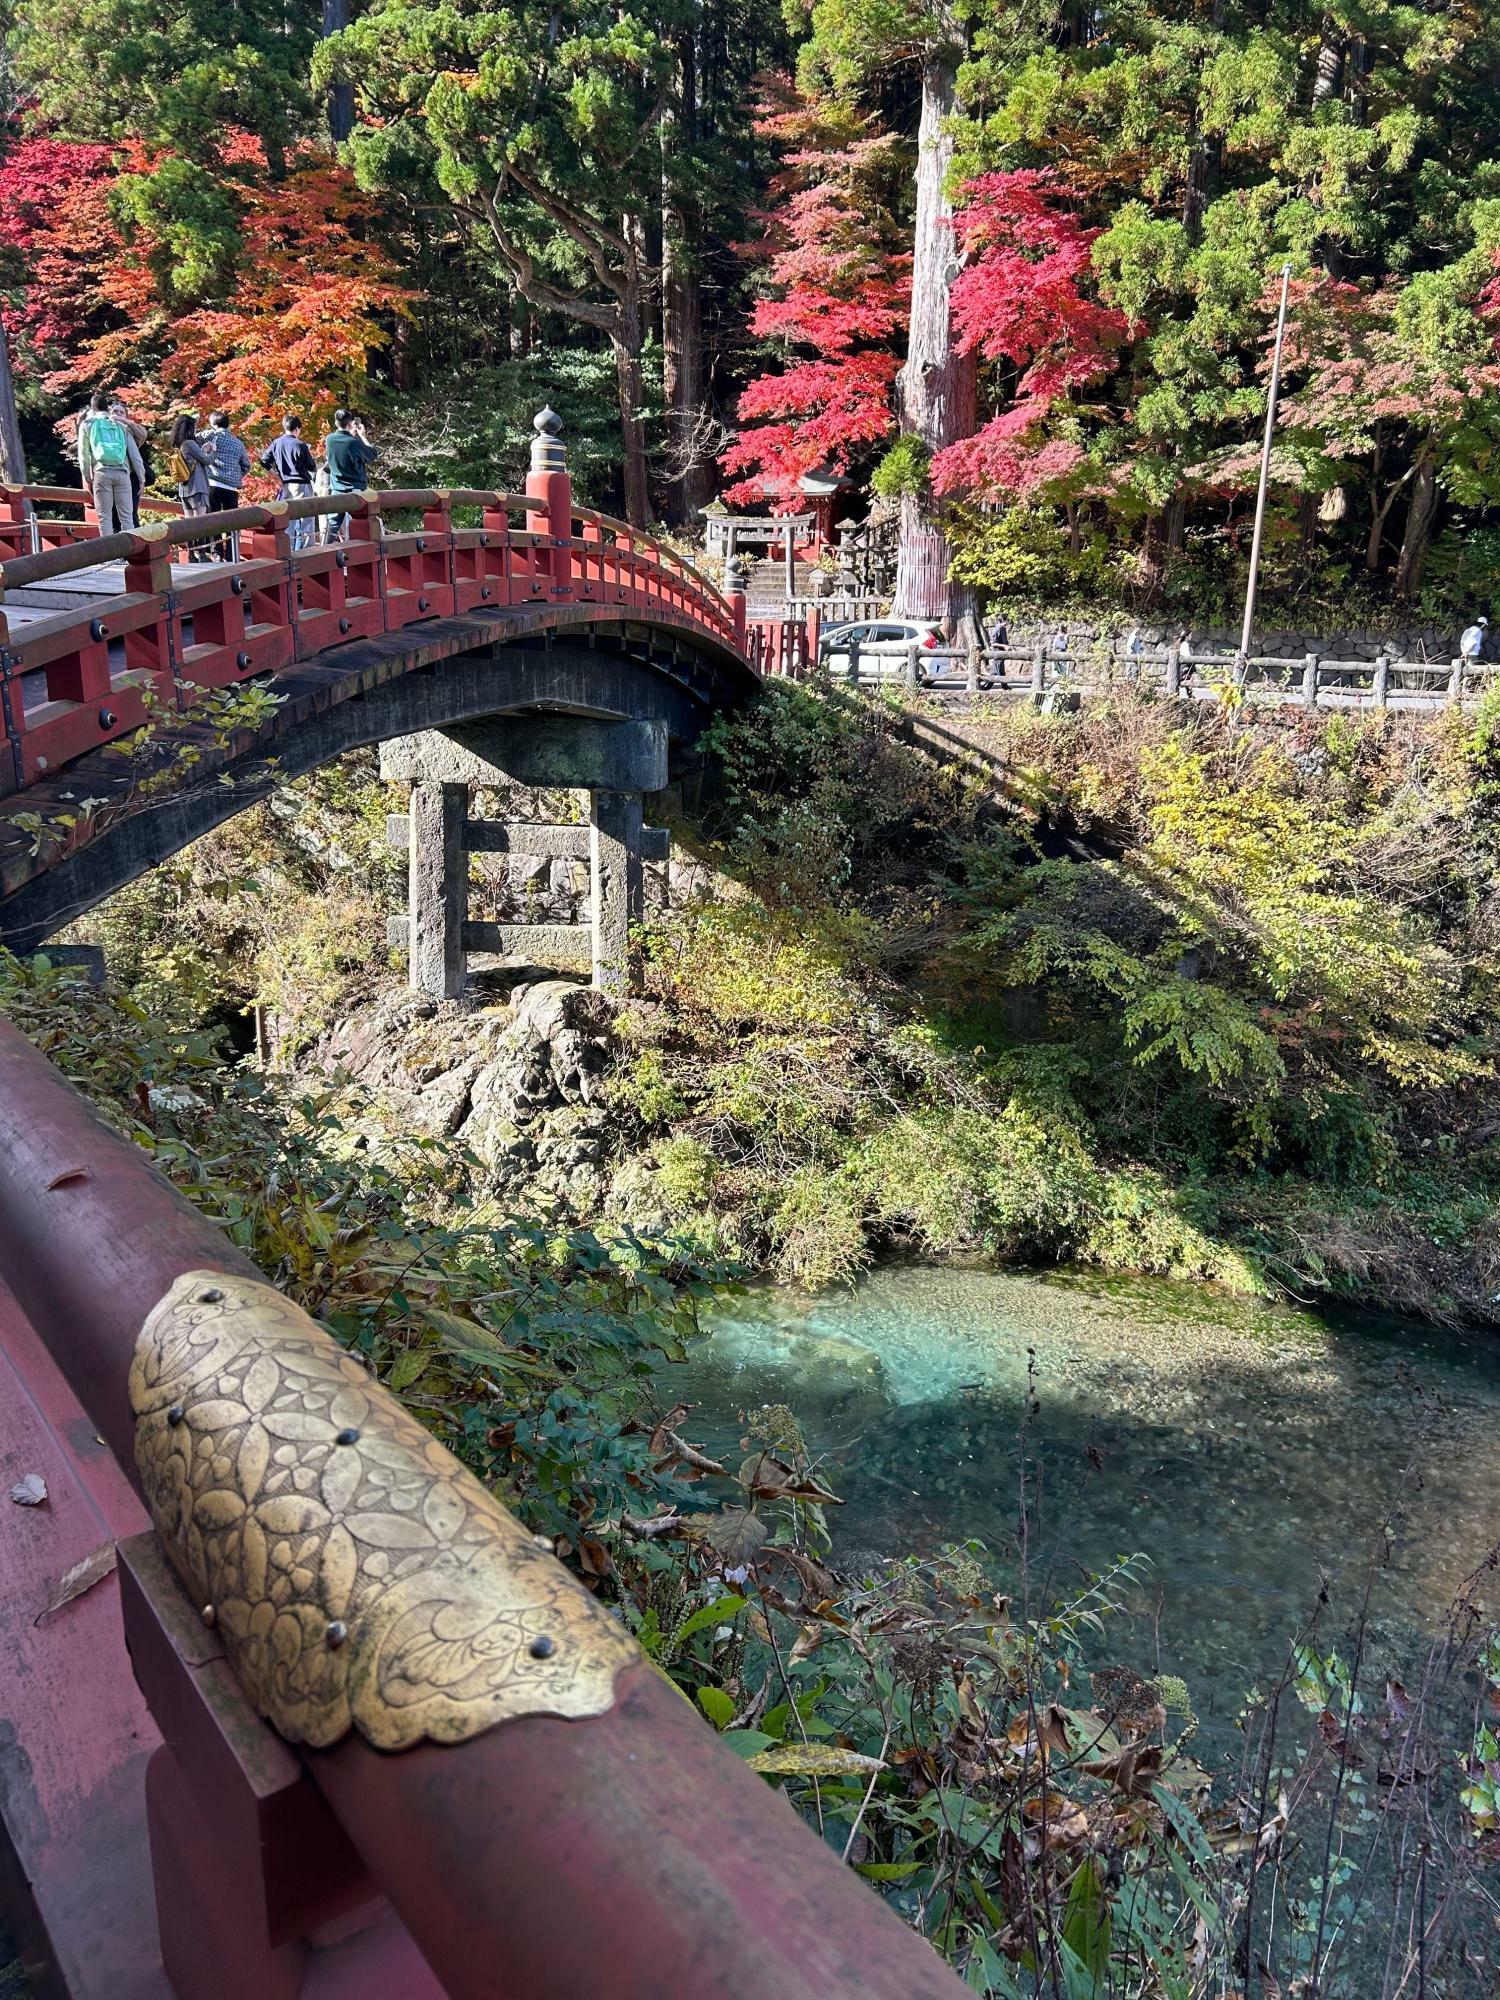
{"points": [[883, 648]]}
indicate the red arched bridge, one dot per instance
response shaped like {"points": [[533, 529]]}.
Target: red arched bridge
{"points": [[499, 635], [290, 1707]]}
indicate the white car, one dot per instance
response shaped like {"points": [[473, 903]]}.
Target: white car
{"points": [[883, 648]]}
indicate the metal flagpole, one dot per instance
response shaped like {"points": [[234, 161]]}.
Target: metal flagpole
{"points": [[1265, 469]]}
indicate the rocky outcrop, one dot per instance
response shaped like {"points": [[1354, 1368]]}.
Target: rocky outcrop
{"points": [[516, 1080]]}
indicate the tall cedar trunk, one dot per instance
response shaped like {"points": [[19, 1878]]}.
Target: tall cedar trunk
{"points": [[340, 95], [690, 479], [1421, 513], [937, 385], [626, 342], [12, 456], [628, 338]]}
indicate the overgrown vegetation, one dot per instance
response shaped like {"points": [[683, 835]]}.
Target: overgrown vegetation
{"points": [[1203, 995], [944, 1724]]}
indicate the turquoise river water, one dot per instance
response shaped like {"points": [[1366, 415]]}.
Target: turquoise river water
{"points": [[1250, 1450]]}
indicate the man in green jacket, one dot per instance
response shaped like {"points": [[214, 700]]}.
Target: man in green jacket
{"points": [[348, 454]]}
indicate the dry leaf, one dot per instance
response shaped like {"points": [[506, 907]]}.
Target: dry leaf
{"points": [[83, 1575], [813, 1760], [30, 1491]]}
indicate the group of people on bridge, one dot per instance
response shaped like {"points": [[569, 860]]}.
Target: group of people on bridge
{"points": [[208, 465]]}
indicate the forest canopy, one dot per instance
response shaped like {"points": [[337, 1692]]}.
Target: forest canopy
{"points": [[1013, 268]]}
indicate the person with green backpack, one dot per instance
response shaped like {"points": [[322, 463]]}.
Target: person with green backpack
{"points": [[107, 456]]}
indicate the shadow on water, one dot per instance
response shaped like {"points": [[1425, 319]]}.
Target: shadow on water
{"points": [[1250, 1451]]}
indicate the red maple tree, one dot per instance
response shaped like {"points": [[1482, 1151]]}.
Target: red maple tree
{"points": [[837, 304], [1020, 302]]}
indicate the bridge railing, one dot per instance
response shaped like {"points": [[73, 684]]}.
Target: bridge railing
{"points": [[621, 1852], [82, 677], [799, 649]]}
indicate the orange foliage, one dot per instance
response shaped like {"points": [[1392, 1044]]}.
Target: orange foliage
{"points": [[313, 299]]}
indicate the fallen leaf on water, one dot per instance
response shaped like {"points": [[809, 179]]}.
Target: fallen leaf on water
{"points": [[30, 1491], [83, 1575]]}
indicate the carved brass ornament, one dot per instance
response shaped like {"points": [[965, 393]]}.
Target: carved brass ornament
{"points": [[355, 1572]]}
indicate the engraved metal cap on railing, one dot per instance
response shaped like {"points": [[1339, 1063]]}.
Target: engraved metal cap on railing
{"points": [[548, 453], [356, 1573]]}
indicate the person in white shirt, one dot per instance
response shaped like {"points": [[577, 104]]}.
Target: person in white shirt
{"points": [[1471, 645]]}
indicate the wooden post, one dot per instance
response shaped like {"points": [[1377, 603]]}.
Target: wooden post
{"points": [[971, 670], [1038, 668], [911, 667], [1456, 683], [1174, 672], [1380, 684], [1310, 679]]}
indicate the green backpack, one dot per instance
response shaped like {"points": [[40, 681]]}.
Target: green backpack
{"points": [[108, 442]]}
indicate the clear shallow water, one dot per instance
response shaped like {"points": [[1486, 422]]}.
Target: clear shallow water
{"points": [[1249, 1450]]}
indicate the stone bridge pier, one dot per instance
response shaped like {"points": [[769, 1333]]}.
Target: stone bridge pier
{"points": [[616, 762]]}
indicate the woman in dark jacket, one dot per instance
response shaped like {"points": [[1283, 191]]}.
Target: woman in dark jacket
{"points": [[189, 455]]}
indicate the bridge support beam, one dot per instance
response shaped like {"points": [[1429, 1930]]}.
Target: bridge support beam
{"points": [[615, 761], [438, 896]]}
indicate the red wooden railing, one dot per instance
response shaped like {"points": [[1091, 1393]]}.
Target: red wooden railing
{"points": [[178, 638]]}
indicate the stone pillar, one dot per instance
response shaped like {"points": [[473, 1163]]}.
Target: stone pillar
{"points": [[439, 888], [616, 883]]}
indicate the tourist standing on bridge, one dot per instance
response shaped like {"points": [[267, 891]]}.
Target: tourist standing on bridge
{"points": [[289, 458], [1471, 645], [348, 454], [188, 465], [107, 456], [228, 462]]}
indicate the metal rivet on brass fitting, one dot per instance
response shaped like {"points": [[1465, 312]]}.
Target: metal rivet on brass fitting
{"points": [[543, 1648], [210, 1616], [210, 1295], [337, 1633], [175, 1415], [349, 1435]]}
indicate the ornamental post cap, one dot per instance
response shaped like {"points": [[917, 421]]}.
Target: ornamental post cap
{"points": [[547, 423]]}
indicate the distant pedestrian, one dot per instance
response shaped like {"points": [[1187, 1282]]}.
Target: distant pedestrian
{"points": [[999, 635], [107, 456], [1185, 654], [137, 431], [1471, 645], [228, 462], [289, 458], [1133, 648], [187, 467], [348, 454]]}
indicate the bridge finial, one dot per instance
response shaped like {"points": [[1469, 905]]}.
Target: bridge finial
{"points": [[548, 453]]}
